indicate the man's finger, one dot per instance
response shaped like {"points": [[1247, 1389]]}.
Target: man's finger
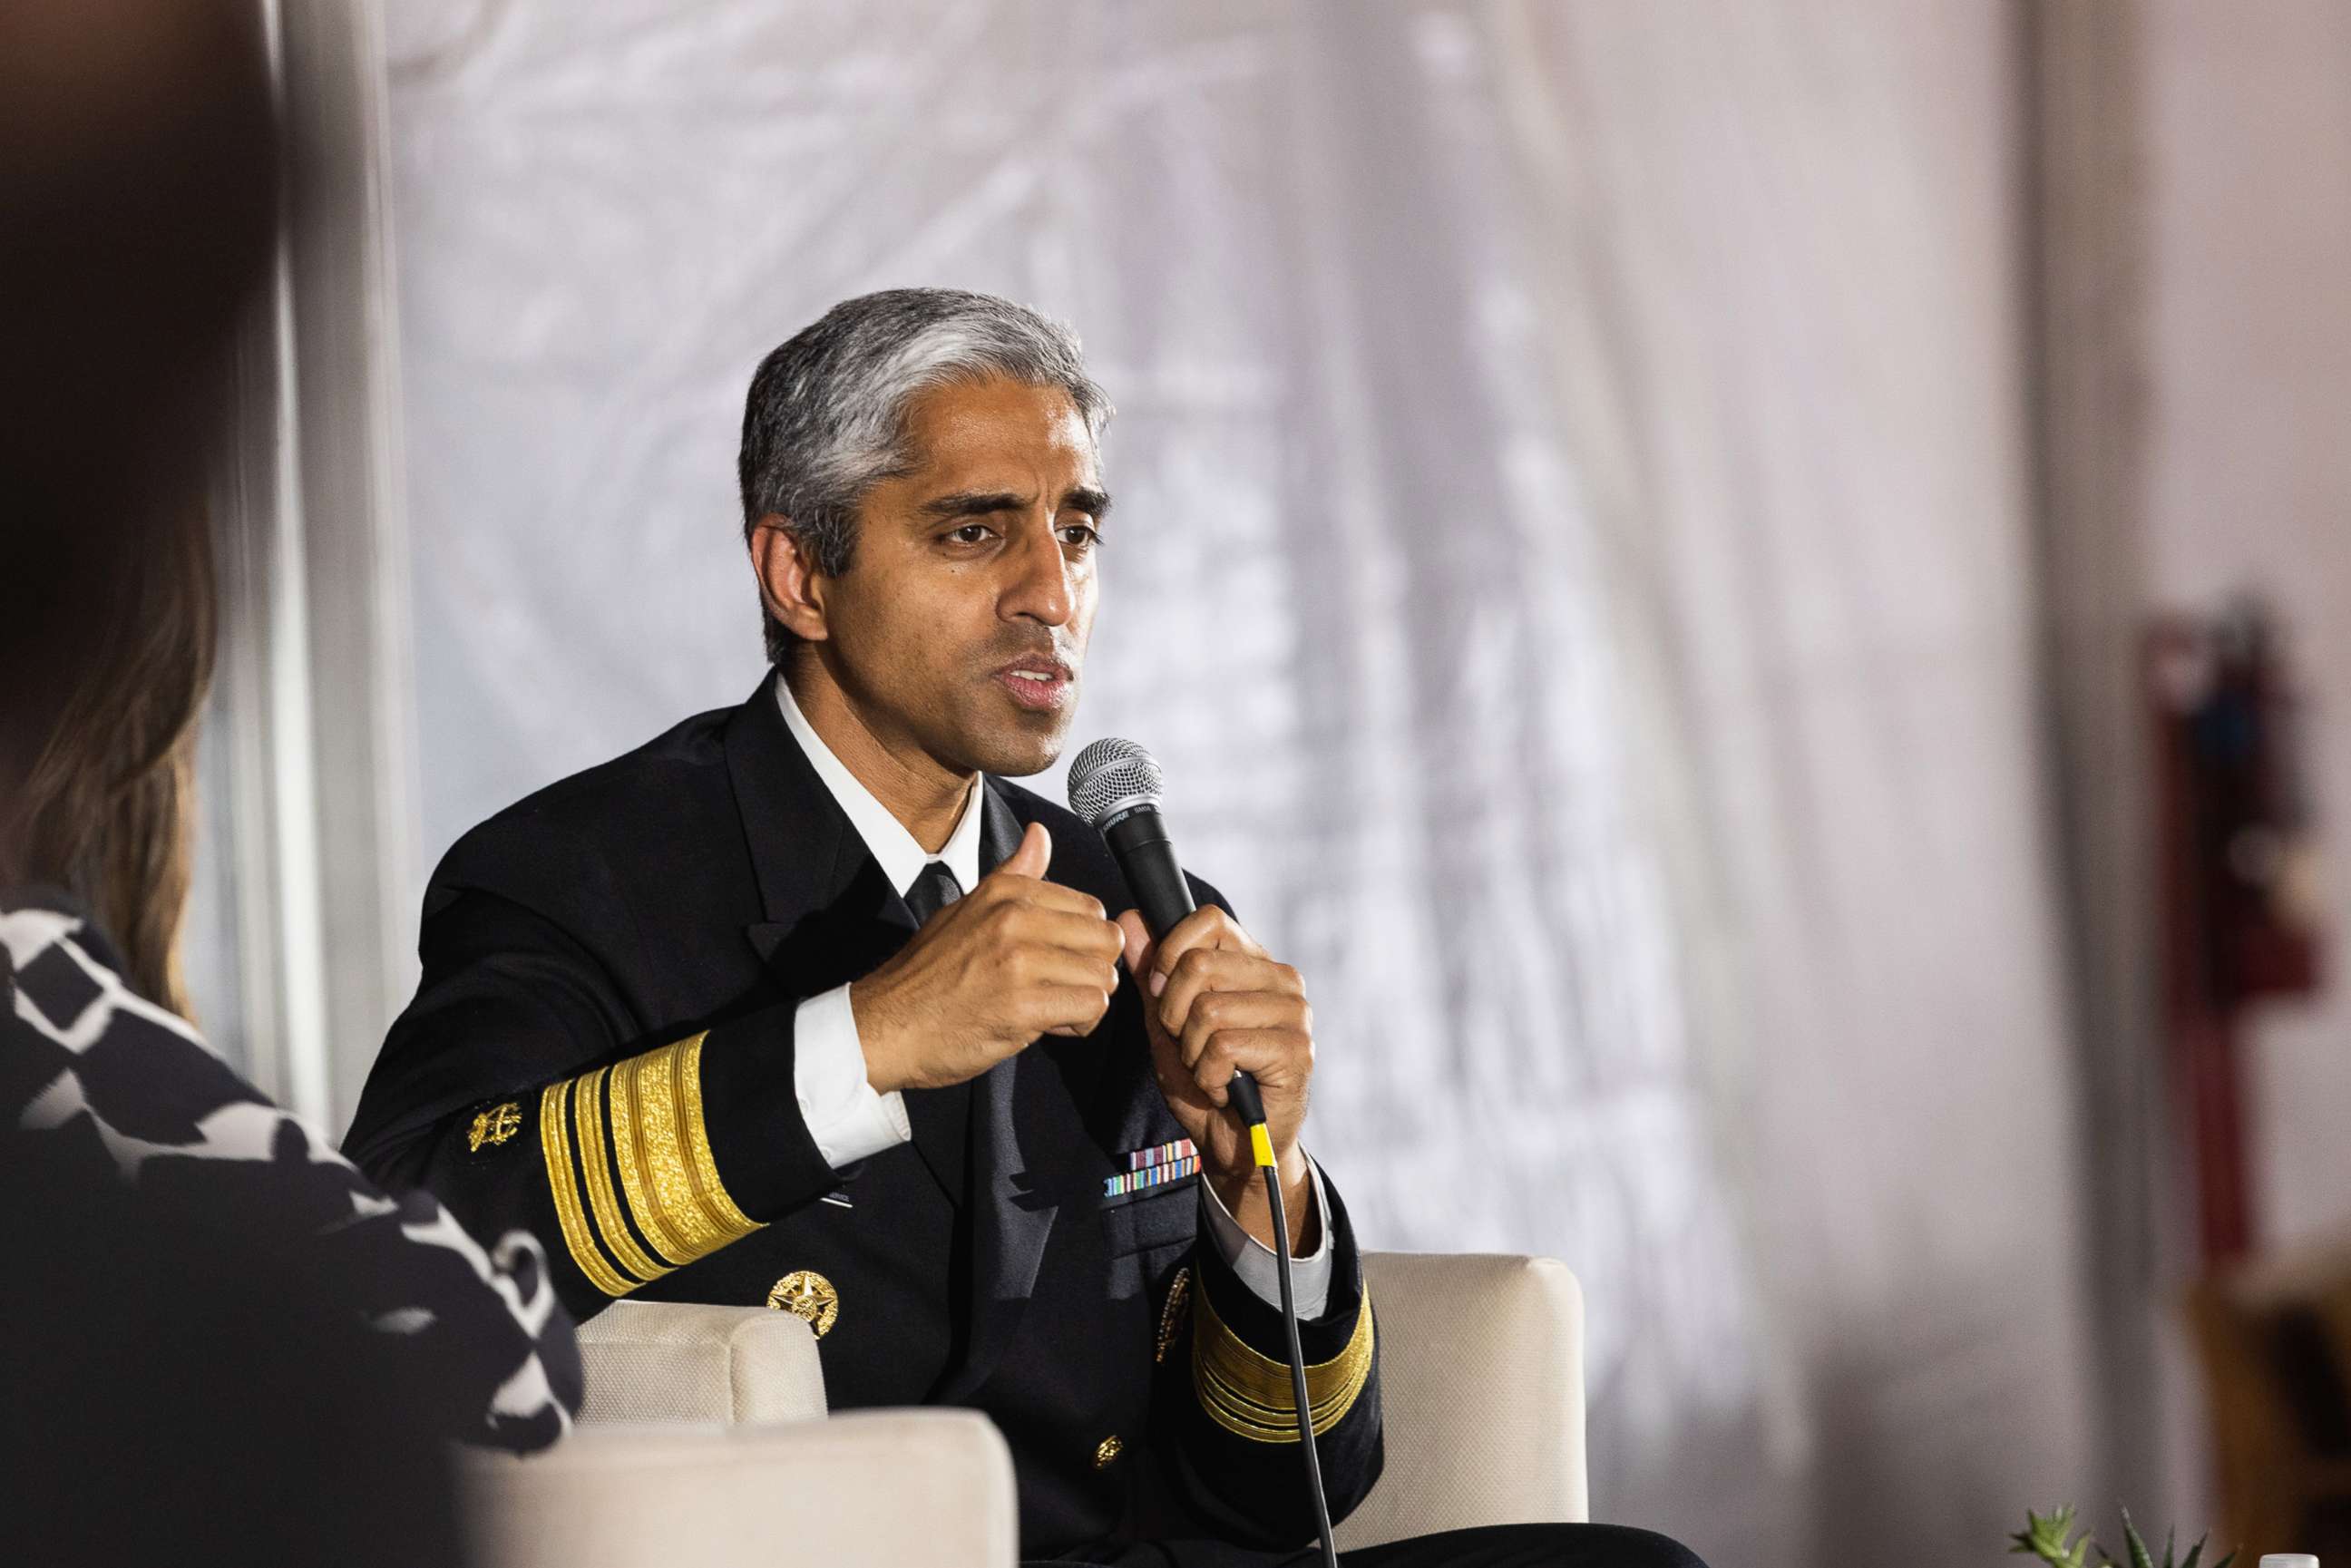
{"points": [[1047, 966], [1197, 929], [1138, 943], [1063, 1009], [1223, 1012], [1265, 1053], [1218, 970], [1205, 969], [1076, 931], [1053, 896], [1207, 926], [1035, 854], [1020, 880]]}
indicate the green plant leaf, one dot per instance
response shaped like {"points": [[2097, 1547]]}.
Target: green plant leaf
{"points": [[2047, 1539], [2050, 1538]]}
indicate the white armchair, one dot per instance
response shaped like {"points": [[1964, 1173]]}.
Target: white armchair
{"points": [[704, 1438]]}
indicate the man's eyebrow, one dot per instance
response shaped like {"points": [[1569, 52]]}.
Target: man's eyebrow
{"points": [[974, 504], [986, 503]]}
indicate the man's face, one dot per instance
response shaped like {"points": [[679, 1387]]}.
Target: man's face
{"points": [[962, 621]]}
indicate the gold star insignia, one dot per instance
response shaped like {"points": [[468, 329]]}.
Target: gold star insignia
{"points": [[807, 1296]]}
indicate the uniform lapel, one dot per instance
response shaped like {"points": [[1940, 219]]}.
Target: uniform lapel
{"points": [[805, 855]]}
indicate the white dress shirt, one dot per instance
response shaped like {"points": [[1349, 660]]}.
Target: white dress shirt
{"points": [[851, 1121]]}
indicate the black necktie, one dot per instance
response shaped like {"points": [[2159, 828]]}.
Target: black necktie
{"points": [[937, 1115], [934, 888]]}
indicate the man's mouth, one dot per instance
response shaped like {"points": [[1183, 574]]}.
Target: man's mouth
{"points": [[1038, 684]]}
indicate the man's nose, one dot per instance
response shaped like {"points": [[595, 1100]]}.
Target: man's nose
{"points": [[1039, 589]]}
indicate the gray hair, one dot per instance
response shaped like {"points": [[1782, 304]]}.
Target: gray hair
{"points": [[825, 420]]}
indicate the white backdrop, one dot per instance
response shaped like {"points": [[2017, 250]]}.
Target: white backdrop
{"points": [[1571, 562]]}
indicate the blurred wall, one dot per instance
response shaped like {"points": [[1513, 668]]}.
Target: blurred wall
{"points": [[2250, 483], [1578, 457]]}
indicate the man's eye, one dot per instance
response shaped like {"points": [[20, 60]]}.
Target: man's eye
{"points": [[970, 534], [1081, 536]]}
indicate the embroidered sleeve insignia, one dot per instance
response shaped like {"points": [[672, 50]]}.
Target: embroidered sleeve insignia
{"points": [[493, 1126]]}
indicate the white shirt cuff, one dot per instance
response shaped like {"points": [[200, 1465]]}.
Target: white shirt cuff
{"points": [[1253, 1261], [849, 1121]]}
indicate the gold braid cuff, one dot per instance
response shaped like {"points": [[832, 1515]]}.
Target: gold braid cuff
{"points": [[603, 1201], [702, 1165], [555, 1146], [662, 1149], [1250, 1396]]}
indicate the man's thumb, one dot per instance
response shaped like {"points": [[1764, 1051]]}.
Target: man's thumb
{"points": [[1035, 854], [1138, 941]]}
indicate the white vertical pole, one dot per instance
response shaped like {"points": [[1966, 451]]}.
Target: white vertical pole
{"points": [[315, 685], [263, 706], [352, 565]]}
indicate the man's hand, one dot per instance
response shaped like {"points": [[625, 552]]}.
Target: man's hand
{"points": [[1015, 957], [1215, 1005]]}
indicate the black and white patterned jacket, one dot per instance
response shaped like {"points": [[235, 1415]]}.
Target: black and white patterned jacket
{"points": [[99, 1084]]}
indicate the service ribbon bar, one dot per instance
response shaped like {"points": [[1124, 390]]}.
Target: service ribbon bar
{"points": [[1153, 1166], [1161, 1155]]}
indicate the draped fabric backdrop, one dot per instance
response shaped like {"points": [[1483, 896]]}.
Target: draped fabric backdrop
{"points": [[1572, 558]]}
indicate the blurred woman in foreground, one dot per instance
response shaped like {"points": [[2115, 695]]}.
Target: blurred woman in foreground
{"points": [[138, 206]]}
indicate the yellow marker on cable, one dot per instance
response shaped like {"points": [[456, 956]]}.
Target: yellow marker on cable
{"points": [[1262, 1142]]}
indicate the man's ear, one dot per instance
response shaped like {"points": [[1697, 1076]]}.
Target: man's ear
{"points": [[789, 583]]}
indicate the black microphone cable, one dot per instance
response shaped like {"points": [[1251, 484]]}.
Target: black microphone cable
{"points": [[1251, 1106]]}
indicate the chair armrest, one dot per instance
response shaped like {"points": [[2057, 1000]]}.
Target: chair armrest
{"points": [[871, 1489], [675, 1361], [1481, 1385]]}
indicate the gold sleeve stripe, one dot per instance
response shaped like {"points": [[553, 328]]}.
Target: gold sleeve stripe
{"points": [[1250, 1395], [602, 1200], [674, 1137], [662, 1149], [636, 1169], [555, 1146], [711, 1192]]}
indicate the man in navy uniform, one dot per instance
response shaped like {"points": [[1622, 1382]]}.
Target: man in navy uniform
{"points": [[800, 1003]]}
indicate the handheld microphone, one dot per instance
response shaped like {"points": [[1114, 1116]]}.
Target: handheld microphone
{"points": [[1115, 786]]}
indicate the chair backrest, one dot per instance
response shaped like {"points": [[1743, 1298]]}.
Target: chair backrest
{"points": [[1482, 1377], [1482, 1360], [880, 1488], [672, 1361]]}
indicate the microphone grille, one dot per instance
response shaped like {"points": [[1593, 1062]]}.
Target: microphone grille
{"points": [[1109, 774]]}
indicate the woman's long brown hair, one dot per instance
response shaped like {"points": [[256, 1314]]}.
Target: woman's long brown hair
{"points": [[107, 812], [139, 206]]}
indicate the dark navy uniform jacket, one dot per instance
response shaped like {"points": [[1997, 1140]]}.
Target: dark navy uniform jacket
{"points": [[601, 1049]]}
